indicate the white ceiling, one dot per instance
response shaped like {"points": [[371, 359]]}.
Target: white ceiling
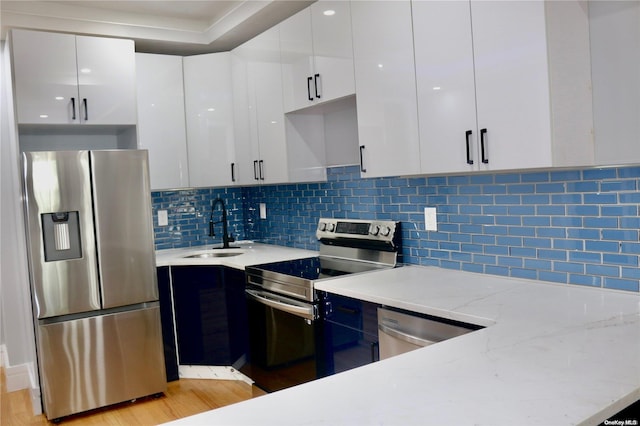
{"points": [[182, 27]]}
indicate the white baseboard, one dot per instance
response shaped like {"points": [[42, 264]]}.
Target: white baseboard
{"points": [[3, 354], [36, 400], [21, 377], [17, 377]]}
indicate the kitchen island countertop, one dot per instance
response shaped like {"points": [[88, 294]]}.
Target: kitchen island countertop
{"points": [[548, 355]]}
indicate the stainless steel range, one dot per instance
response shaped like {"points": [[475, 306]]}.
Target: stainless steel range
{"points": [[285, 310]]}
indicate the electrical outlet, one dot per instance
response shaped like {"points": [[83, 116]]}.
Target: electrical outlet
{"points": [[163, 218], [263, 211], [430, 219]]}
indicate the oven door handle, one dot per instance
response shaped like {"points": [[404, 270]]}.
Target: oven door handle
{"points": [[300, 309]]}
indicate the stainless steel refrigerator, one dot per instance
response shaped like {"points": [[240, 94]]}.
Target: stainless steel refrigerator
{"points": [[93, 278]]}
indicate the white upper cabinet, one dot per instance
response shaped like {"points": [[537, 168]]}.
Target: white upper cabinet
{"points": [[511, 91], [446, 87], [615, 53], [106, 80], [209, 120], [161, 119], [385, 88], [296, 49], [512, 84], [317, 55], [68, 79], [259, 116]]}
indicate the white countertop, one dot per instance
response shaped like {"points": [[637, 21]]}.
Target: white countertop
{"points": [[252, 254], [549, 355]]}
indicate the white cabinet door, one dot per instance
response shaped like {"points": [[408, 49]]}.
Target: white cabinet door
{"points": [[106, 80], [446, 88], [272, 164], [499, 74], [68, 79], [257, 84], [46, 77], [332, 50], [245, 130], [266, 86], [296, 53], [317, 55], [209, 119], [512, 84], [615, 54], [385, 88], [161, 119]]}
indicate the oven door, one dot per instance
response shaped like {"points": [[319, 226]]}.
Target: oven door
{"points": [[282, 333]]}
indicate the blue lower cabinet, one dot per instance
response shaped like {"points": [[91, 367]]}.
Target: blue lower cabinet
{"points": [[237, 318], [166, 319], [210, 315], [350, 329]]}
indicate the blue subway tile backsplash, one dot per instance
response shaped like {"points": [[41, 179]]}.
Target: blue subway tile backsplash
{"points": [[189, 212], [570, 226]]}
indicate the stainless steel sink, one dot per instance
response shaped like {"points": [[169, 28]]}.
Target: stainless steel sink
{"points": [[215, 253]]}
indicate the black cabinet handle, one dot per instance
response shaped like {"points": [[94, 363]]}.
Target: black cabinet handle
{"points": [[73, 108], [261, 167], [485, 159], [362, 169], [347, 310], [375, 351], [86, 109], [309, 88], [255, 169], [315, 83], [233, 172], [468, 134]]}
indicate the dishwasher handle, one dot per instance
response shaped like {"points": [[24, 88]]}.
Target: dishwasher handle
{"points": [[300, 309], [404, 336]]}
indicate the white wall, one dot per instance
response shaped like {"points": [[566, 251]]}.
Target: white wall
{"points": [[15, 301]]}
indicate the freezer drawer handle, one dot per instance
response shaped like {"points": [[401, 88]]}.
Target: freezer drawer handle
{"points": [[404, 336], [301, 311]]}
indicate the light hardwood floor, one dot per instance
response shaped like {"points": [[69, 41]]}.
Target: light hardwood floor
{"points": [[183, 398]]}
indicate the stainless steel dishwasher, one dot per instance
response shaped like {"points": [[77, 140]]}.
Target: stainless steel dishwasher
{"points": [[400, 332]]}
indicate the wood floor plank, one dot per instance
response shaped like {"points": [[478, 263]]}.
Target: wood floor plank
{"points": [[183, 398]]}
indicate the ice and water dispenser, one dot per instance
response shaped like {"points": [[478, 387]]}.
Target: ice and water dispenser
{"points": [[61, 236]]}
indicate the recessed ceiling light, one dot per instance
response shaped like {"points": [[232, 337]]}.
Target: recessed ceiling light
{"points": [[329, 12]]}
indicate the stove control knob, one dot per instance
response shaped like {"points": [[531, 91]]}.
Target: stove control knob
{"points": [[375, 229], [385, 231], [331, 227], [322, 226]]}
